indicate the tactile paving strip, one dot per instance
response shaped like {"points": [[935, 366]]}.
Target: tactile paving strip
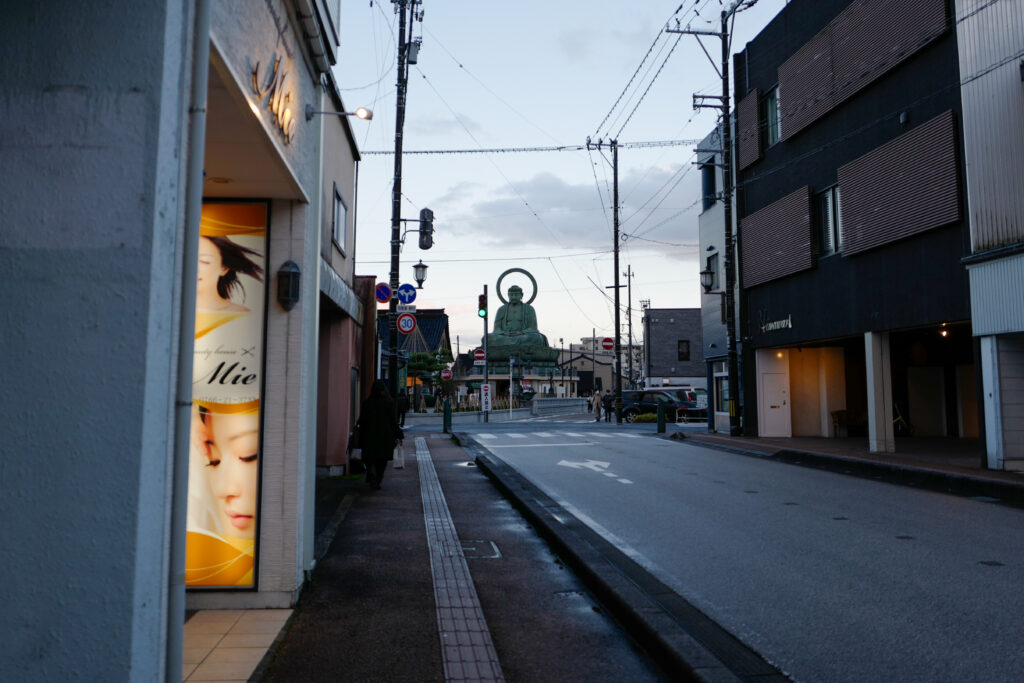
{"points": [[466, 646]]}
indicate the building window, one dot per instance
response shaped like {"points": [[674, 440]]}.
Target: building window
{"points": [[707, 180], [830, 233], [683, 349], [339, 220], [771, 118]]}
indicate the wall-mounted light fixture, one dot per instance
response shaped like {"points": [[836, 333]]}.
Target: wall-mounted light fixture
{"points": [[288, 281], [360, 113], [420, 273], [707, 279]]}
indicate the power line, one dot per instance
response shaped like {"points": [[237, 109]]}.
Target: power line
{"points": [[551, 148]]}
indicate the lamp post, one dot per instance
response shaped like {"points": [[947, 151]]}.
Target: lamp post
{"points": [[561, 365], [420, 273]]}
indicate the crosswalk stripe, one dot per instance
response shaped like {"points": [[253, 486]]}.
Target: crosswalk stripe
{"points": [[487, 436], [545, 435], [514, 435]]}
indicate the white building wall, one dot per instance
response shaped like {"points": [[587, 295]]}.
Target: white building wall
{"points": [[91, 154]]}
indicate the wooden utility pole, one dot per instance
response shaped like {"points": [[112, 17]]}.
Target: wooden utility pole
{"points": [[727, 190]]}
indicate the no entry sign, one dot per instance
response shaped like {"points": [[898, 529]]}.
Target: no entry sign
{"points": [[607, 343], [479, 355], [446, 374]]}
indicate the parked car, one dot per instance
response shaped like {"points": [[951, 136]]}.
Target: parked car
{"points": [[638, 402], [695, 400]]}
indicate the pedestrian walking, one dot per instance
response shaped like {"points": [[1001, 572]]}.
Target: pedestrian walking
{"points": [[403, 407], [608, 403], [595, 401], [378, 431]]}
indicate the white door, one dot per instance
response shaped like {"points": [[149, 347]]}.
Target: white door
{"points": [[775, 414]]}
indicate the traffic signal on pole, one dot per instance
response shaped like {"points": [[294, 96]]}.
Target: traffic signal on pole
{"points": [[481, 306], [426, 228]]}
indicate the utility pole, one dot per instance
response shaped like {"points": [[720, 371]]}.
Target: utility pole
{"points": [[617, 380], [617, 363], [629, 321], [404, 44], [727, 190]]}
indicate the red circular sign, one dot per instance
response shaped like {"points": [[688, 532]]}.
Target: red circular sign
{"points": [[479, 354], [406, 323], [607, 343], [446, 374]]}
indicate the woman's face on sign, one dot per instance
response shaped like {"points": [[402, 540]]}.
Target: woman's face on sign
{"points": [[211, 267], [233, 470]]}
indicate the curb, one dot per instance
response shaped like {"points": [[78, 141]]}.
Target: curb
{"points": [[687, 643]]}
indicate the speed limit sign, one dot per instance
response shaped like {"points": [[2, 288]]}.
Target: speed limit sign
{"points": [[406, 323]]}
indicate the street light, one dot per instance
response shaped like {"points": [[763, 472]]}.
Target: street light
{"points": [[360, 113], [420, 273]]}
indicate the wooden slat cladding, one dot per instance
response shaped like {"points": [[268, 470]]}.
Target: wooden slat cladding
{"points": [[906, 186], [776, 240], [806, 84], [748, 129], [863, 42]]}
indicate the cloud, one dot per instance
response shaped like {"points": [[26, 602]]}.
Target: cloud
{"points": [[545, 211]]}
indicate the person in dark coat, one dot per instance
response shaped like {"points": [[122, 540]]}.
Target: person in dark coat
{"points": [[608, 403], [403, 407], [379, 432]]}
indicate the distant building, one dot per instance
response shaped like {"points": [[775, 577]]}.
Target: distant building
{"points": [[672, 348]]}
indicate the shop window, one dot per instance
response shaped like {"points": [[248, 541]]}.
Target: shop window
{"points": [[339, 220], [771, 118], [683, 348], [829, 222]]}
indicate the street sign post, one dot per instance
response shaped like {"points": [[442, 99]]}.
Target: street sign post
{"points": [[485, 398], [607, 343], [479, 354], [406, 323], [383, 292], [406, 293]]}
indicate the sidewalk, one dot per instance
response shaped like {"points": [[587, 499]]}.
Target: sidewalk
{"points": [[443, 581]]}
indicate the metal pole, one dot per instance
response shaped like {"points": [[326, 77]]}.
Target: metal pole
{"points": [[629, 318], [730, 244], [617, 379], [396, 203], [487, 413]]}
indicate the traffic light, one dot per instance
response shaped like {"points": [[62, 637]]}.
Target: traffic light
{"points": [[426, 228], [481, 306]]}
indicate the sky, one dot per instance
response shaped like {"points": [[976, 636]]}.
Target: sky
{"points": [[539, 74]]}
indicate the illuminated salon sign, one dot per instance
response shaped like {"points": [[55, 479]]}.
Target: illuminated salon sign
{"points": [[773, 325], [273, 91]]}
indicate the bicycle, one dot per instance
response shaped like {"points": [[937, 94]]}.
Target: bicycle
{"points": [[901, 425]]}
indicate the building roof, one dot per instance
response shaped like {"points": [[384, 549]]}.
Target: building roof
{"points": [[430, 335]]}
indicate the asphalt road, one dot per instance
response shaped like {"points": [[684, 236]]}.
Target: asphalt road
{"points": [[829, 577]]}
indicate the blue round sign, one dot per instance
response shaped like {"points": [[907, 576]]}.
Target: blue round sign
{"points": [[406, 293], [383, 292]]}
